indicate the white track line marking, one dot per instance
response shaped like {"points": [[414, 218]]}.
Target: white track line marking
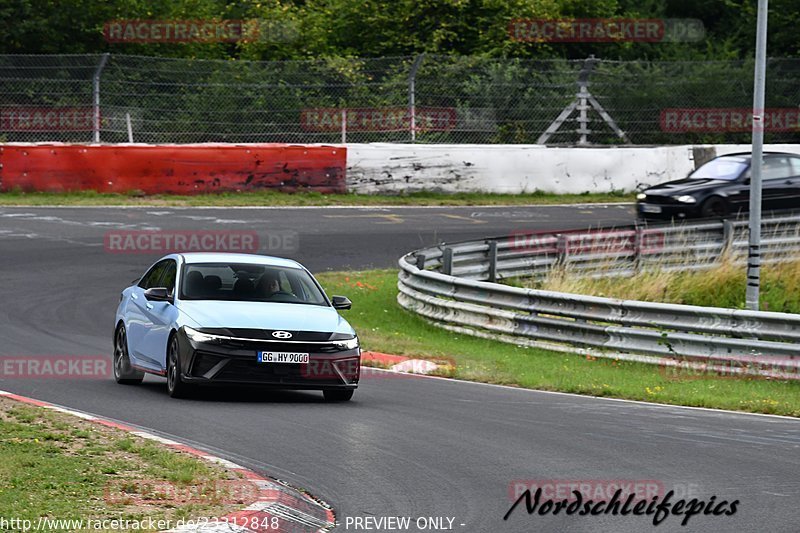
{"points": [[573, 395]]}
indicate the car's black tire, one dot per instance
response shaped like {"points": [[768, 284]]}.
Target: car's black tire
{"points": [[714, 207], [176, 387], [337, 395], [124, 373]]}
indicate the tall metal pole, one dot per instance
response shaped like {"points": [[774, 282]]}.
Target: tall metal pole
{"points": [[754, 249], [412, 95], [96, 97]]}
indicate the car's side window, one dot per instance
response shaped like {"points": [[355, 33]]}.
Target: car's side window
{"points": [[168, 276], [776, 168], [153, 276], [795, 162]]}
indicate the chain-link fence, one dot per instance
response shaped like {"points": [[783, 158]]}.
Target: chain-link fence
{"points": [[426, 99]]}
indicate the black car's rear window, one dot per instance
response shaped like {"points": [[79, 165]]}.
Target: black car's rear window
{"points": [[249, 283]]}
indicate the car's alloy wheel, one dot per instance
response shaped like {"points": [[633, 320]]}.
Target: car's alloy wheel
{"points": [[336, 395], [175, 386], [123, 372], [714, 207]]}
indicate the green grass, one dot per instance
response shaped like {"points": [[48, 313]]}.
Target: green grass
{"points": [[384, 326], [57, 466], [273, 198], [721, 286]]}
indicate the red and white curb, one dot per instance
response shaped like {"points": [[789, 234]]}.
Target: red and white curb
{"points": [[278, 507]]}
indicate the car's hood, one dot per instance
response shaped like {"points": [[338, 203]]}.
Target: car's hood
{"points": [[685, 186], [264, 315]]}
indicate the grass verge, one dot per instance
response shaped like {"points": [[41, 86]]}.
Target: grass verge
{"points": [[56, 466], [273, 198], [721, 286], [384, 326]]}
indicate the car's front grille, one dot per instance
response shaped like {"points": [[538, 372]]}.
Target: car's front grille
{"points": [[276, 346], [658, 200]]}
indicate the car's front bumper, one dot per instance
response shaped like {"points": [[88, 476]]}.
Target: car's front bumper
{"points": [[666, 211], [235, 363]]}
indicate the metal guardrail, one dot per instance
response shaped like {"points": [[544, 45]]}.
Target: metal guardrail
{"points": [[453, 285]]}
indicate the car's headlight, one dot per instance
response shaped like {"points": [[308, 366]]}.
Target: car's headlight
{"points": [[641, 196], [349, 344], [199, 336], [686, 199]]}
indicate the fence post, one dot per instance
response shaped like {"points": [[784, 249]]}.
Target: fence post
{"points": [[412, 96], [344, 125], [130, 127], [493, 261], [727, 237], [447, 261], [562, 250], [421, 261], [637, 249], [96, 97]]}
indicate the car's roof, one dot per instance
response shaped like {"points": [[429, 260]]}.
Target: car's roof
{"points": [[253, 259], [748, 155]]}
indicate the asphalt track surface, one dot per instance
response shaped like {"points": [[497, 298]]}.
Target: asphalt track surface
{"points": [[405, 446]]}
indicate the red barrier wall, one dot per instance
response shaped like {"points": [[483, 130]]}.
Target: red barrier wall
{"points": [[179, 169]]}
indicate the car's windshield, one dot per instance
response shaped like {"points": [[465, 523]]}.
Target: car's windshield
{"points": [[723, 168], [249, 282]]}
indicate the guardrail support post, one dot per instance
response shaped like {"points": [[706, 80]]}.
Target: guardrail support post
{"points": [[421, 261], [492, 261], [637, 249], [562, 250], [447, 261], [727, 237]]}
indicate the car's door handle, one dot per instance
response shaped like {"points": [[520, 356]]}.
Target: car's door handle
{"points": [[134, 297], [149, 305]]}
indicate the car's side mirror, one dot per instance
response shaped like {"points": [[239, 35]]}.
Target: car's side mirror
{"points": [[157, 294], [341, 302]]}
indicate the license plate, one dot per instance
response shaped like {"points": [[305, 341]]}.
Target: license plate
{"points": [[651, 208], [282, 357]]}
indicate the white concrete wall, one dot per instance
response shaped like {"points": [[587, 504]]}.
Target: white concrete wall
{"points": [[518, 168]]}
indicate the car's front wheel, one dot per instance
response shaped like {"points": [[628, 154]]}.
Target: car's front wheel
{"points": [[337, 395], [175, 386], [714, 207], [124, 373]]}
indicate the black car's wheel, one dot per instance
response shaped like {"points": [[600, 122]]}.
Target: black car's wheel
{"points": [[124, 373], [336, 395], [714, 207], [175, 386]]}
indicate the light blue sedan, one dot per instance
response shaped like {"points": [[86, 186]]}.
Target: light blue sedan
{"points": [[223, 319]]}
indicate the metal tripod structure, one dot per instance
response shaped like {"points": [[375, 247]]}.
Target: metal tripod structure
{"points": [[584, 101]]}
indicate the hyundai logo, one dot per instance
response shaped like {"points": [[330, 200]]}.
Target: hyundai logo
{"points": [[281, 334]]}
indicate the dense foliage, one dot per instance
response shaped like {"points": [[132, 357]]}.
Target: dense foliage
{"points": [[370, 28]]}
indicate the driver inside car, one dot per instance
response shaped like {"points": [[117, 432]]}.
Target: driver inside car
{"points": [[268, 284]]}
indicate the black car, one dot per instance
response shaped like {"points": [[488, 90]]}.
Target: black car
{"points": [[721, 188]]}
